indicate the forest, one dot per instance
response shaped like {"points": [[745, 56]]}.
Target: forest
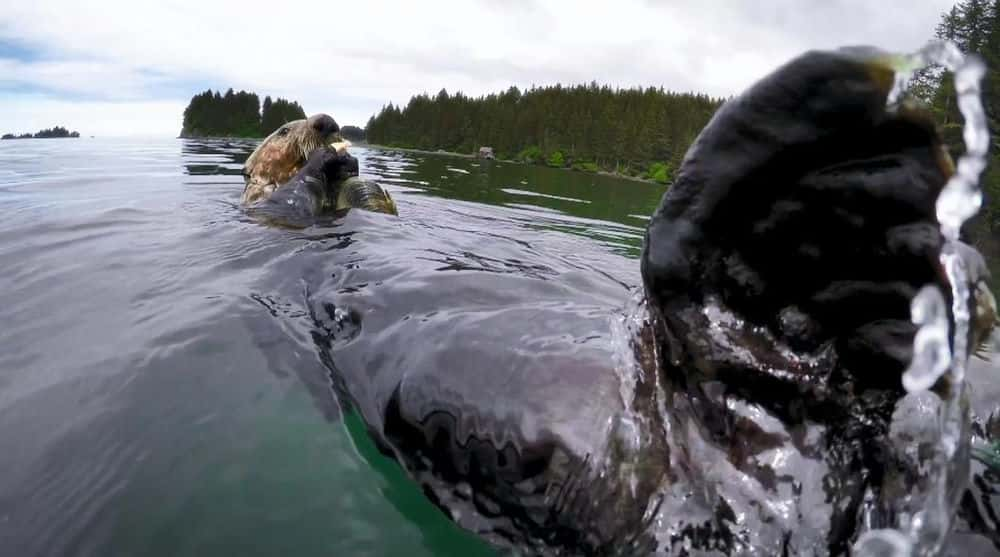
{"points": [[212, 114], [635, 132], [57, 131], [352, 133], [645, 132]]}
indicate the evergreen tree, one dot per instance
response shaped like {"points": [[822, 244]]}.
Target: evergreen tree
{"points": [[279, 113], [582, 126], [352, 133], [55, 132], [236, 114]]}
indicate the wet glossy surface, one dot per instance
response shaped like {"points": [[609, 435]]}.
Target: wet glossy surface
{"points": [[161, 387]]}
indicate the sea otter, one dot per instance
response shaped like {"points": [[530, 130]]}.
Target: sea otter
{"points": [[750, 413], [304, 168], [281, 155], [314, 189]]}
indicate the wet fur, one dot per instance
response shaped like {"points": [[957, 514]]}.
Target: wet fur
{"points": [[777, 271], [278, 158], [314, 189]]}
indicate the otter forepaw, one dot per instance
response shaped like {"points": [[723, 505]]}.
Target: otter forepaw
{"points": [[806, 208]]}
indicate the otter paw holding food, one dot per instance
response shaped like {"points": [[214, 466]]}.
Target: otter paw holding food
{"points": [[313, 190], [291, 164], [283, 153]]}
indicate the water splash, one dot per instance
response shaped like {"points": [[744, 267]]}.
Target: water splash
{"points": [[931, 351], [961, 197], [923, 516], [884, 543]]}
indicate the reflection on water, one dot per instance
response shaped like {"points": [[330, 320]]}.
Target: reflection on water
{"points": [[595, 206], [160, 389], [216, 157], [164, 383]]}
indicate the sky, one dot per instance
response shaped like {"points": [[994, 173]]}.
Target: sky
{"points": [[128, 68]]}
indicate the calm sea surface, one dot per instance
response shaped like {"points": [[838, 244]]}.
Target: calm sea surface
{"points": [[159, 394], [161, 391]]}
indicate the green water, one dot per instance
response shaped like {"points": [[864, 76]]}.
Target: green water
{"points": [[608, 209], [157, 397], [297, 486], [159, 392]]}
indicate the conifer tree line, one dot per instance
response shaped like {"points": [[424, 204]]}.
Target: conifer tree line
{"points": [[588, 127], [57, 131], [236, 115], [973, 25], [352, 133], [647, 131]]}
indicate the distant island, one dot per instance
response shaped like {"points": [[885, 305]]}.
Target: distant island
{"points": [[47, 133], [636, 132], [212, 114]]}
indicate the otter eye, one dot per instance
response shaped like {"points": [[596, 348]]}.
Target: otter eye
{"points": [[283, 131]]}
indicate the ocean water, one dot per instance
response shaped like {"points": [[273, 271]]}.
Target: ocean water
{"points": [[159, 394], [162, 388]]}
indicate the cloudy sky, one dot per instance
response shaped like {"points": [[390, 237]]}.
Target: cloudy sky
{"points": [[123, 67]]}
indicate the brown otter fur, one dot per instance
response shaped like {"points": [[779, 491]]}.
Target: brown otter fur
{"points": [[281, 155]]}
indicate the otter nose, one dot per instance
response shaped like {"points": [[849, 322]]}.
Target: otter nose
{"points": [[324, 124]]}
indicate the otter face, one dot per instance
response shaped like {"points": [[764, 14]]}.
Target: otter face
{"points": [[282, 154]]}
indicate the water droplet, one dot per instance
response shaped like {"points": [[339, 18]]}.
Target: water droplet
{"points": [[884, 543], [940, 347]]}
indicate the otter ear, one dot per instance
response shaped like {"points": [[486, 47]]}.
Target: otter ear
{"points": [[283, 131]]}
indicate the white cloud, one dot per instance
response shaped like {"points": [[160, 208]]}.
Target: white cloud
{"points": [[86, 78], [350, 58]]}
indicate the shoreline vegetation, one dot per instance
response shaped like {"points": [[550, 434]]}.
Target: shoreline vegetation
{"points": [[636, 133], [212, 114], [644, 133], [633, 133], [47, 133]]}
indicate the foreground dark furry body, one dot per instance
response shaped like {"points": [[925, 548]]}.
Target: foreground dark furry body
{"points": [[752, 415]]}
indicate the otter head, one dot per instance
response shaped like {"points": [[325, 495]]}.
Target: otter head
{"points": [[282, 154]]}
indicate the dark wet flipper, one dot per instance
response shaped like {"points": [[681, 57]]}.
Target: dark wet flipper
{"points": [[838, 220], [918, 240], [883, 348], [806, 196], [890, 188], [847, 303]]}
